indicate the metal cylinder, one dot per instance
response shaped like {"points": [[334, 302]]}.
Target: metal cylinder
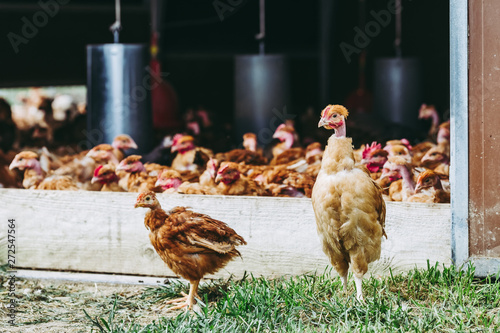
{"points": [[119, 83], [398, 90], [262, 98]]}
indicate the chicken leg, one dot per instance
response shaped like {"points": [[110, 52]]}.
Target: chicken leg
{"points": [[188, 300], [359, 287]]}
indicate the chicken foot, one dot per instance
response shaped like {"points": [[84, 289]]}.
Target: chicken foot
{"points": [[187, 301]]}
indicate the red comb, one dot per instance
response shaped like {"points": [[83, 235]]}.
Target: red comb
{"points": [[96, 171], [368, 149]]}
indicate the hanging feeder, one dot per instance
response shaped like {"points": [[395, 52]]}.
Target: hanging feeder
{"points": [[118, 91]]}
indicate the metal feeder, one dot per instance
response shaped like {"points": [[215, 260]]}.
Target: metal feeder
{"points": [[118, 91]]}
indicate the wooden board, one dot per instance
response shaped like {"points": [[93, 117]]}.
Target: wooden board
{"points": [[103, 233], [484, 130]]}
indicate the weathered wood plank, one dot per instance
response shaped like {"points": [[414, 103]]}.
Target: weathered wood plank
{"points": [[103, 233]]}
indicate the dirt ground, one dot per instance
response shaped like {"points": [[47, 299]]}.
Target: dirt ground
{"points": [[58, 306]]}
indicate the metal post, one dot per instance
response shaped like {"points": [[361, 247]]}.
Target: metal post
{"points": [[459, 114]]}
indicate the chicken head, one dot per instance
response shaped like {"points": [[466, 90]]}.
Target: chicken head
{"points": [[228, 173], [124, 142], [24, 160], [169, 179], [131, 164], [147, 200], [334, 117], [104, 174]]}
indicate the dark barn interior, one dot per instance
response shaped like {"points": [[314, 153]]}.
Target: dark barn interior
{"points": [[200, 40]]}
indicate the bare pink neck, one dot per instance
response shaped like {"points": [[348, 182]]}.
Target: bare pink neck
{"points": [[36, 166], [407, 178], [340, 132]]}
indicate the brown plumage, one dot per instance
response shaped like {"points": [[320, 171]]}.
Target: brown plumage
{"points": [[347, 203], [288, 156], [429, 182], [36, 178], [232, 182], [242, 155], [398, 165], [8, 178], [418, 151], [105, 175], [170, 181], [134, 176], [121, 143], [189, 157], [191, 244], [288, 139]]}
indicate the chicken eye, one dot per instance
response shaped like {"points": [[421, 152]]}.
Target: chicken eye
{"points": [[147, 198], [335, 115]]}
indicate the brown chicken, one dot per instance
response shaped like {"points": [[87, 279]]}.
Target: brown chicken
{"points": [[189, 157], [436, 159], [374, 157], [242, 155], [208, 176], [399, 191], [105, 175], [419, 150], [171, 181], [191, 244], [134, 177], [430, 182], [232, 182], [36, 178], [399, 150], [347, 203], [121, 143], [285, 151], [280, 181], [103, 154]]}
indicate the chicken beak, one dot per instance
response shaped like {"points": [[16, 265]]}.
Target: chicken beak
{"points": [[174, 148], [138, 204], [418, 188], [158, 183], [132, 145], [322, 122], [218, 178], [120, 166], [94, 180], [13, 165]]}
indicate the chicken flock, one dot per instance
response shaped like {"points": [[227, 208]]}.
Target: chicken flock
{"points": [[417, 173], [348, 188]]}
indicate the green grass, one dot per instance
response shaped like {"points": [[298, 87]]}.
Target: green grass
{"points": [[431, 300]]}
